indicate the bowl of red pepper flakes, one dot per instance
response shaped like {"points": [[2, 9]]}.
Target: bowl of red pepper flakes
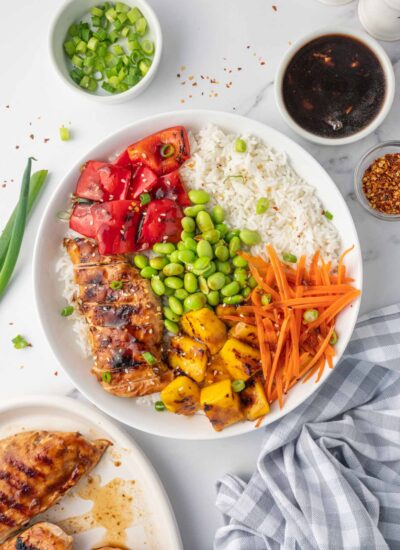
{"points": [[377, 181]]}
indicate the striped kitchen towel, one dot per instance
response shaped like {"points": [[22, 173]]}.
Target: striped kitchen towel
{"points": [[328, 477]]}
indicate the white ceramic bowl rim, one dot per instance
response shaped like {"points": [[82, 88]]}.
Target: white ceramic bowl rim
{"points": [[154, 24], [47, 289], [387, 69]]}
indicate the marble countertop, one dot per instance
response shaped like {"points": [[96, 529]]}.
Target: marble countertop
{"points": [[237, 44]]}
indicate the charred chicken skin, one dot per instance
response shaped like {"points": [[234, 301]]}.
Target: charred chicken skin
{"points": [[124, 319], [36, 469], [41, 536]]}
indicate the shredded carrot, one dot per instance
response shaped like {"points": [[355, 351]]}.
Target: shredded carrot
{"points": [[291, 349]]}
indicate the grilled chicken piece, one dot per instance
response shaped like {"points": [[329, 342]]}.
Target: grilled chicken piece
{"points": [[123, 323], [41, 536], [36, 469]]}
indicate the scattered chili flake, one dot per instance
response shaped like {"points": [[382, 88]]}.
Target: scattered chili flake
{"points": [[7, 106], [56, 373], [381, 184], [32, 136], [274, 7], [191, 77], [183, 68], [46, 140], [178, 75], [182, 101], [17, 146]]}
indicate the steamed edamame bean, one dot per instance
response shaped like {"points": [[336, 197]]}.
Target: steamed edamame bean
{"points": [[168, 291], [216, 281], [140, 261], [173, 282], [210, 270], [231, 234], [218, 214], [199, 196], [171, 326], [158, 262], [163, 248], [190, 244], [250, 237], [174, 257], [173, 269], [148, 272], [204, 221], [240, 275], [187, 235], [190, 282], [203, 285], [252, 282], [201, 263], [221, 252], [181, 293], [175, 305], [192, 211], [224, 267], [233, 300], [169, 314], [212, 236], [231, 289], [238, 261], [234, 246], [186, 256], [246, 292], [195, 301], [204, 249], [213, 298], [157, 285], [188, 224], [222, 228]]}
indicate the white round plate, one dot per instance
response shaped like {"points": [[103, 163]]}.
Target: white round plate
{"points": [[153, 526], [48, 290]]}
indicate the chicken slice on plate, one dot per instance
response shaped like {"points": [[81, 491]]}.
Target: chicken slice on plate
{"points": [[41, 536], [37, 468], [124, 318]]}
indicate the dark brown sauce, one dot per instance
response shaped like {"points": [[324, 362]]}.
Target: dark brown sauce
{"points": [[334, 86]]}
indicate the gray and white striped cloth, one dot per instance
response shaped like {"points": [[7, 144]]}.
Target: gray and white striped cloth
{"points": [[328, 477]]}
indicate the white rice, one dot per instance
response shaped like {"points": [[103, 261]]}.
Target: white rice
{"points": [[294, 222]]}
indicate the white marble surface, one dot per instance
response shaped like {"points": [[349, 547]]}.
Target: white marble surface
{"points": [[206, 37]]}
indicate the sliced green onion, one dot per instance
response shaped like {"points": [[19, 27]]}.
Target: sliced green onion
{"points": [[328, 215], [77, 61], [334, 338], [262, 205], [159, 406], [67, 311], [144, 66], [64, 134], [64, 215], [97, 11], [121, 7], [149, 358], [147, 47], [73, 30], [106, 377], [113, 36], [20, 342], [310, 315], [36, 184], [100, 34], [141, 26], [240, 145], [145, 198], [92, 44], [18, 230], [134, 15], [116, 285], [69, 48], [167, 150], [108, 88], [118, 50], [238, 385], [291, 258], [111, 15]]}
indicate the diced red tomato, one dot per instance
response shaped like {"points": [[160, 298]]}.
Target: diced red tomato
{"points": [[152, 151], [171, 187], [100, 181], [123, 159], [81, 220], [144, 180], [161, 223], [116, 225]]}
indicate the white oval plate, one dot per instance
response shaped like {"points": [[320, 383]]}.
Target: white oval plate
{"points": [[154, 525], [48, 290]]}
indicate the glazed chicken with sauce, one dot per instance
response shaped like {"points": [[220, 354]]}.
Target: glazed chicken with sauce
{"points": [[36, 469], [123, 322], [41, 536]]}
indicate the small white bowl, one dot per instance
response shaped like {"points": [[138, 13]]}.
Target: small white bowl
{"points": [[72, 11], [387, 67]]}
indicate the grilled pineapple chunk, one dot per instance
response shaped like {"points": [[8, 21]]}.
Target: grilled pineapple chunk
{"points": [[221, 404], [224, 309], [189, 356], [241, 360], [216, 370], [205, 325], [181, 396], [246, 333], [254, 400]]}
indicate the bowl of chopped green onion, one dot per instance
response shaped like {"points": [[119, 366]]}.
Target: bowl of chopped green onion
{"points": [[109, 51]]}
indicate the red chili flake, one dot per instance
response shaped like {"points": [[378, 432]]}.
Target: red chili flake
{"points": [[32, 136], [202, 93], [247, 47], [7, 106], [202, 77], [262, 63], [178, 75], [183, 68], [239, 68], [46, 140], [194, 84], [17, 146], [381, 184], [274, 8], [190, 96], [191, 77], [55, 373], [4, 185], [182, 101], [183, 82]]}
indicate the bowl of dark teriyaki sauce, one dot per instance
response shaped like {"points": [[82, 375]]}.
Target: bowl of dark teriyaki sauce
{"points": [[335, 87]]}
